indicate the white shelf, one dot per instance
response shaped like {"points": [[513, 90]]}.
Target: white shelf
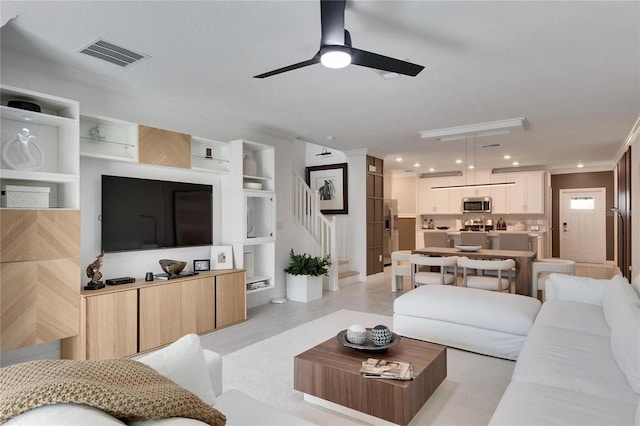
{"points": [[55, 147], [218, 161], [117, 140], [269, 287]]}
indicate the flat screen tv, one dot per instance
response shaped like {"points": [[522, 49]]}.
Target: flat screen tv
{"points": [[146, 214]]}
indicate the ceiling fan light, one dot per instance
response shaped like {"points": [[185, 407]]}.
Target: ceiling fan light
{"points": [[335, 57]]}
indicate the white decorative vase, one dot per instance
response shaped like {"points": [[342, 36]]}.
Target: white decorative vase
{"points": [[304, 288], [249, 166]]}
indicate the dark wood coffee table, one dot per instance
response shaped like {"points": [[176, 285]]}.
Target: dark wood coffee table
{"points": [[330, 373]]}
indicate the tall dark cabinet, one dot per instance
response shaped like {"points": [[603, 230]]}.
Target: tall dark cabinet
{"points": [[375, 221]]}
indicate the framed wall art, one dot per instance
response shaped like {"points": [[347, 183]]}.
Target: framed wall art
{"points": [[221, 257], [200, 265], [331, 182]]}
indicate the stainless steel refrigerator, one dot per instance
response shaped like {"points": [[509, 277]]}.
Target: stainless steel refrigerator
{"points": [[390, 237]]}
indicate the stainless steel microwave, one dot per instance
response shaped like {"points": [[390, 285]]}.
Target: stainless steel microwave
{"points": [[476, 205]]}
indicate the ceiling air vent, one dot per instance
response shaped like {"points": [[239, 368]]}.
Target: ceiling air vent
{"points": [[112, 53]]}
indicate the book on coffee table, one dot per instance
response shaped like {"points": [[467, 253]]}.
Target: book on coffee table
{"points": [[375, 368]]}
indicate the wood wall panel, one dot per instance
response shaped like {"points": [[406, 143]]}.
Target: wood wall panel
{"points": [[39, 234], [375, 223], [39, 301], [163, 147]]}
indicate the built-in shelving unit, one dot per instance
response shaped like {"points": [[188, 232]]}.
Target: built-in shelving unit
{"points": [[251, 233], [40, 256], [210, 156], [51, 158], [108, 139]]}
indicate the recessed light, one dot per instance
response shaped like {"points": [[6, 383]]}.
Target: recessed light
{"points": [[27, 117], [416, 165], [515, 163], [331, 138], [399, 159], [471, 166], [458, 161], [431, 169], [580, 165], [507, 157]]}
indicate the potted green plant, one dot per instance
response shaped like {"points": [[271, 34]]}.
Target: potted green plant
{"points": [[304, 276]]}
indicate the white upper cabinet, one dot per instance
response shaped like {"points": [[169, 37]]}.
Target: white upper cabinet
{"points": [[477, 178], [527, 195], [439, 201]]}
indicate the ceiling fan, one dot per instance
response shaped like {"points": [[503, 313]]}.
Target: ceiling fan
{"points": [[336, 51]]}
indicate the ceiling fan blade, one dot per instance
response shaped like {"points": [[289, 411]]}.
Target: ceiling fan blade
{"points": [[385, 63], [311, 61], [332, 22]]}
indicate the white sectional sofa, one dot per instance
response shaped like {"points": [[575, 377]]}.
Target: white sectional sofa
{"points": [[188, 365], [580, 363]]}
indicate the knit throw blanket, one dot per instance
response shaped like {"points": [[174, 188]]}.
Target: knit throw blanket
{"points": [[123, 388]]}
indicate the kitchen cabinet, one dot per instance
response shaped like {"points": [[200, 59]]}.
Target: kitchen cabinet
{"points": [[499, 194], [475, 178], [231, 300], [443, 201], [527, 195]]}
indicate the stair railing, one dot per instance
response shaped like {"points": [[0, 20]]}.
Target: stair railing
{"points": [[306, 209]]}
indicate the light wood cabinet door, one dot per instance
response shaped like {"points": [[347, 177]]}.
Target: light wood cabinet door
{"points": [[198, 305], [112, 325], [160, 313], [40, 301], [231, 299], [163, 147], [39, 234]]}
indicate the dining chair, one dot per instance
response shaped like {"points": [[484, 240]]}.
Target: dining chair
{"points": [[400, 267], [475, 238], [427, 277], [502, 281], [436, 239], [510, 241], [541, 268]]}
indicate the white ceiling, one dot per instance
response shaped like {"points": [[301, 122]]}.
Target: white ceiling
{"points": [[571, 68]]}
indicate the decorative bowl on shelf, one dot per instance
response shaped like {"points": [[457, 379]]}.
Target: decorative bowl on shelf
{"points": [[462, 247], [253, 185], [442, 228], [172, 267]]}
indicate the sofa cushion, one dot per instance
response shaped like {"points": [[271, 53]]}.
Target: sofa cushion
{"points": [[622, 312], [509, 313], [534, 404], [574, 316], [577, 289], [184, 363], [636, 284], [571, 360]]}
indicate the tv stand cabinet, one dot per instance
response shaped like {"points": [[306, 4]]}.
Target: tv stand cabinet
{"points": [[123, 320]]}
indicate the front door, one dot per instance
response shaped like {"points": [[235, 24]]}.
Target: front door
{"points": [[583, 225]]}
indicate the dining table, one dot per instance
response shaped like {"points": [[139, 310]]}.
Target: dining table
{"points": [[523, 259]]}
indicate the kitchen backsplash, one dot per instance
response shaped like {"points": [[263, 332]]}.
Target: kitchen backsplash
{"points": [[540, 221]]}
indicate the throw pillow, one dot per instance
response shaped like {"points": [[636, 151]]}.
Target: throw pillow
{"points": [[622, 312], [573, 288], [183, 362]]}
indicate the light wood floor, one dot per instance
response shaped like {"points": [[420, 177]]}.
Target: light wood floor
{"points": [[268, 320]]}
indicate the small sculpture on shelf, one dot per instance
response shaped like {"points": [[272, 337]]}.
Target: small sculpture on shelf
{"points": [[22, 152], [172, 267], [93, 272], [94, 133]]}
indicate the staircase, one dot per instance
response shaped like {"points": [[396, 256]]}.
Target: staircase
{"points": [[306, 209], [345, 275]]}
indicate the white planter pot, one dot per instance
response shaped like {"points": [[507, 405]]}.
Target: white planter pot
{"points": [[304, 288]]}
